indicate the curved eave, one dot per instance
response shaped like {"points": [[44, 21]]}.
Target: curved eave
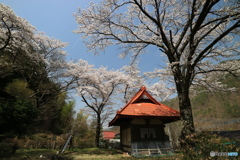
{"points": [[166, 119]]}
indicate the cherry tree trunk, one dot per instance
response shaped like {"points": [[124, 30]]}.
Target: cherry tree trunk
{"points": [[98, 130], [186, 116], [183, 83]]}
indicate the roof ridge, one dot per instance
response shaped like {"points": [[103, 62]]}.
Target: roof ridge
{"points": [[151, 109], [120, 110], [142, 90]]}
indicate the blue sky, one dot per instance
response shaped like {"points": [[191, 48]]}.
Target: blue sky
{"points": [[55, 18]]}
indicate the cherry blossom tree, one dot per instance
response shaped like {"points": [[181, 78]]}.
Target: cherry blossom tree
{"points": [[50, 56], [99, 88], [18, 38], [133, 84], [30, 52], [158, 89], [15, 38], [14, 31], [191, 34]]}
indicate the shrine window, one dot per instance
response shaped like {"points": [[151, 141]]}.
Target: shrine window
{"points": [[148, 133]]}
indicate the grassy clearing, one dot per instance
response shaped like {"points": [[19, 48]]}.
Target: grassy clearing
{"points": [[100, 157], [76, 154], [106, 154], [117, 157]]}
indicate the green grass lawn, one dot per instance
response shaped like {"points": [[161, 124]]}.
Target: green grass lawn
{"points": [[116, 157], [76, 154]]}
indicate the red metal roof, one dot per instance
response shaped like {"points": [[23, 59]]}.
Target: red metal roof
{"points": [[143, 105], [108, 135]]}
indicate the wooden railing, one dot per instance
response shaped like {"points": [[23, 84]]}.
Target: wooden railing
{"points": [[156, 148]]}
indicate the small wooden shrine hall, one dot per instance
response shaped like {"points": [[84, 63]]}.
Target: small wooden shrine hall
{"points": [[142, 121]]}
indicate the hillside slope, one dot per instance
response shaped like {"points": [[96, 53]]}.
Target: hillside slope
{"points": [[219, 111]]}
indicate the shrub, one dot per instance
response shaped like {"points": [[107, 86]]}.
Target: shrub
{"points": [[199, 146], [41, 141], [83, 142]]}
